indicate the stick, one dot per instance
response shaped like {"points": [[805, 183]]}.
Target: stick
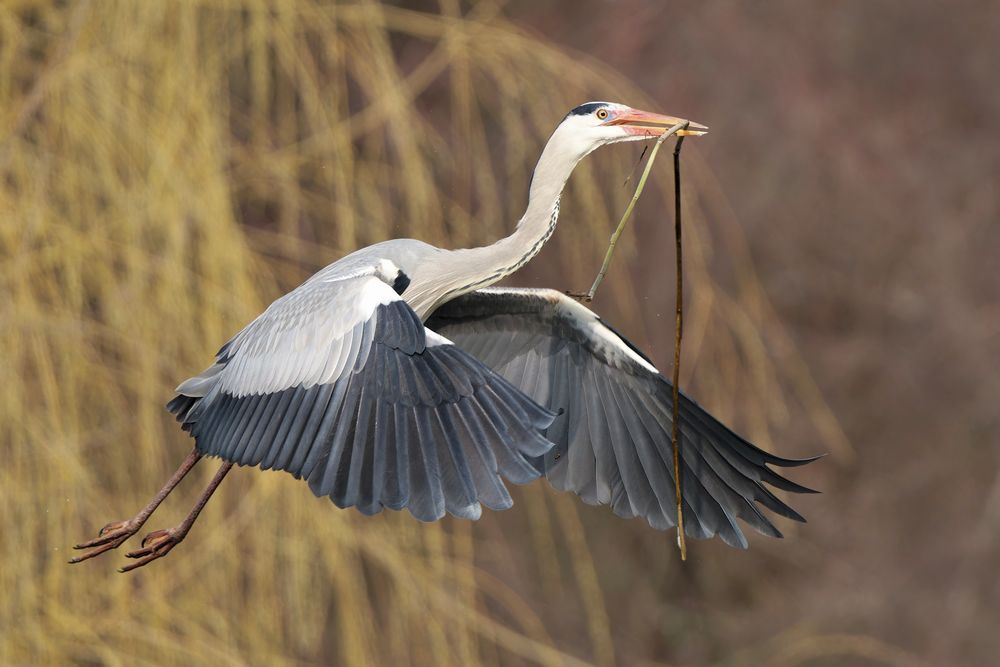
{"points": [[681, 541], [589, 296]]}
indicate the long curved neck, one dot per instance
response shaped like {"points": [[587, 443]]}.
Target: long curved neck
{"points": [[535, 226], [479, 267], [451, 273]]}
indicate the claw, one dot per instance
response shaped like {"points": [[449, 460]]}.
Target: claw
{"points": [[139, 563], [155, 537], [111, 536], [153, 540], [156, 544], [96, 552], [114, 525]]}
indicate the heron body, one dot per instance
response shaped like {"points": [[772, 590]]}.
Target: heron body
{"points": [[396, 377]]}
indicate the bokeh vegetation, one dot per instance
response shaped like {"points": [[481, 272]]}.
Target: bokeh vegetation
{"points": [[168, 168]]}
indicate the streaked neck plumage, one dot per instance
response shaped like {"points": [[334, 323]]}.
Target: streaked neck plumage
{"points": [[458, 272]]}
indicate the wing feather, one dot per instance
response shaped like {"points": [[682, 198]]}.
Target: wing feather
{"points": [[608, 476], [373, 490], [455, 472], [397, 478], [633, 481], [612, 440], [340, 384], [273, 426], [492, 492], [424, 486], [358, 452], [581, 467], [647, 457]]}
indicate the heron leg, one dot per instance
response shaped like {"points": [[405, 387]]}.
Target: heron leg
{"points": [[115, 533], [159, 543]]}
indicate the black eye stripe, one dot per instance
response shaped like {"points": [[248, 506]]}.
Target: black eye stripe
{"points": [[584, 109]]}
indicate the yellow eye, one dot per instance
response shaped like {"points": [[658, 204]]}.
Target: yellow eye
{"points": [[602, 113]]}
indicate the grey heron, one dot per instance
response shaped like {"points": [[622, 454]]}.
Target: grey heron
{"points": [[397, 377]]}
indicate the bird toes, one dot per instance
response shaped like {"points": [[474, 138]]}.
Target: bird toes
{"points": [[111, 536], [156, 544]]}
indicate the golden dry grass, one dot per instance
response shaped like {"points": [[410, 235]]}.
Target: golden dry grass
{"points": [[167, 169]]}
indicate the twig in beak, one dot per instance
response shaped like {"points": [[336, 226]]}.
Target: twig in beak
{"points": [[589, 296], [675, 426]]}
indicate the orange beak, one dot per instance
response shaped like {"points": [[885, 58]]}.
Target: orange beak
{"points": [[650, 124]]}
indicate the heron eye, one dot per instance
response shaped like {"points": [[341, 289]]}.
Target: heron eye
{"points": [[602, 113]]}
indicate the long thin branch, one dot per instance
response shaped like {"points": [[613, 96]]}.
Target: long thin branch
{"points": [[681, 541]]}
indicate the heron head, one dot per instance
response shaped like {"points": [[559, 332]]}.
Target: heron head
{"points": [[595, 124]]}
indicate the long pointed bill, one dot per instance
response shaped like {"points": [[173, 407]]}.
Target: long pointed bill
{"points": [[650, 124]]}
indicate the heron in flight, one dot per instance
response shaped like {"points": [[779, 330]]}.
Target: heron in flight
{"points": [[397, 377]]}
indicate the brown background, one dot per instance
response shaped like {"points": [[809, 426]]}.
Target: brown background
{"points": [[167, 169]]}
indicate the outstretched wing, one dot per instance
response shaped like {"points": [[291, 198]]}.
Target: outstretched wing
{"points": [[613, 436], [339, 383]]}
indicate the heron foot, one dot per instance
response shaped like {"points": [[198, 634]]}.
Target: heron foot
{"points": [[156, 544], [111, 536]]}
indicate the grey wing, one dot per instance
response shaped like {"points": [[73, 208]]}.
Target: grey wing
{"points": [[340, 384], [613, 435]]}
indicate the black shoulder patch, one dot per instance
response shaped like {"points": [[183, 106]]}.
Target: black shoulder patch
{"points": [[584, 109], [399, 328], [401, 282]]}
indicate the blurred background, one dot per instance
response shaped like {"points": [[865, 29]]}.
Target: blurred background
{"points": [[168, 168]]}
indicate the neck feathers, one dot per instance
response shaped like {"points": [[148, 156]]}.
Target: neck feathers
{"points": [[462, 271], [536, 226]]}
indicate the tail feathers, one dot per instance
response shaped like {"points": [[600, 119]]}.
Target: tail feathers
{"points": [[180, 407], [192, 392]]}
